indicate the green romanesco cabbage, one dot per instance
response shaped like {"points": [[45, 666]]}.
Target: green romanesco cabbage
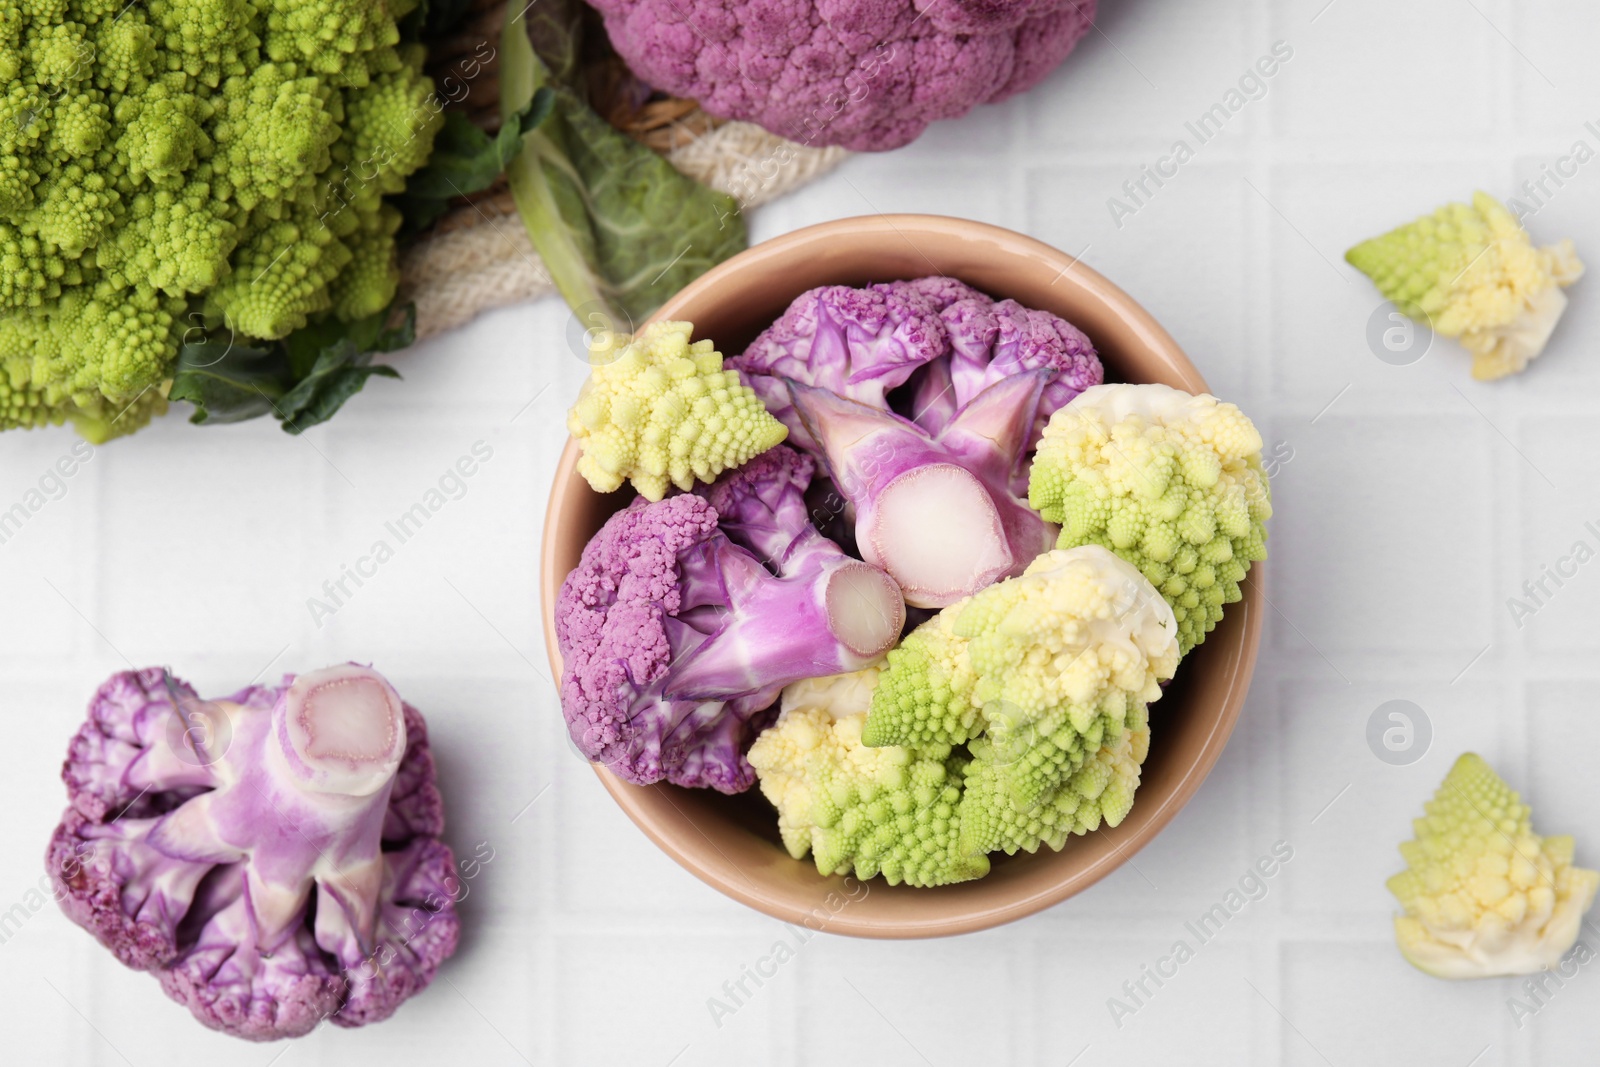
{"points": [[1483, 894], [1046, 676], [924, 696], [1473, 273], [1172, 483], [659, 411], [891, 811], [1100, 790], [169, 166]]}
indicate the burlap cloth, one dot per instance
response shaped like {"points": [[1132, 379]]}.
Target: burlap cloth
{"points": [[479, 257]]}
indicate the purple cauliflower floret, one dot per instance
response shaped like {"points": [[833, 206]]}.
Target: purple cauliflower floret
{"points": [[858, 343], [676, 640], [991, 341], [937, 511], [273, 857], [865, 74]]}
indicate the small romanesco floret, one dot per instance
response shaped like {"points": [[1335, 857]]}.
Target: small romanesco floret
{"points": [[1046, 675], [890, 811], [166, 166], [1172, 483], [1483, 894], [662, 412], [1473, 273]]}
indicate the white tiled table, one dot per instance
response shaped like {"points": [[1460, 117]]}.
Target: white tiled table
{"points": [[1415, 503]]}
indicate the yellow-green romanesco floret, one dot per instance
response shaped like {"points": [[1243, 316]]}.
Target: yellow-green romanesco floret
{"points": [[924, 696], [891, 811], [659, 411], [1108, 760], [1483, 894], [1170, 482], [164, 157], [1473, 273], [1046, 676]]}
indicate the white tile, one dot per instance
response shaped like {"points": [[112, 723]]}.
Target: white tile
{"points": [[1189, 278], [1117, 87], [1434, 58], [1360, 1002], [1344, 809], [1349, 578], [651, 998]]}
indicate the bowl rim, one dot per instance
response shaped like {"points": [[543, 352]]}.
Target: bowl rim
{"points": [[664, 831]]}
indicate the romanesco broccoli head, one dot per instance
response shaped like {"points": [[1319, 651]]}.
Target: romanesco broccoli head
{"points": [[891, 811], [159, 159], [1473, 273], [661, 412], [1170, 482], [1483, 894]]}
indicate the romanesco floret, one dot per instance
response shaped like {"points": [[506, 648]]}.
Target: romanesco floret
{"points": [[890, 811], [925, 694], [659, 411], [160, 161], [1046, 675], [1172, 483], [1473, 273], [1483, 894], [1109, 757]]}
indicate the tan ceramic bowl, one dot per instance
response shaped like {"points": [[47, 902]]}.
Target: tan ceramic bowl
{"points": [[732, 843]]}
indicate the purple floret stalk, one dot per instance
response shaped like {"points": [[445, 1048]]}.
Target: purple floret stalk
{"points": [[936, 513], [335, 738], [773, 624], [199, 831]]}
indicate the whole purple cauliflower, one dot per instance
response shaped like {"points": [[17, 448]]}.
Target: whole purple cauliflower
{"points": [[273, 857], [865, 74]]}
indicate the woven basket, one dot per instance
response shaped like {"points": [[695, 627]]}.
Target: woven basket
{"points": [[477, 256]]}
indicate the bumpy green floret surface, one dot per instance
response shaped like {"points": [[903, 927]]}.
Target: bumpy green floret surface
{"points": [[1046, 677], [1170, 482], [660, 411], [168, 163], [892, 811]]}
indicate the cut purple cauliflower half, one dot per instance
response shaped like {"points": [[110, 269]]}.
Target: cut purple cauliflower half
{"points": [[991, 341], [273, 856], [858, 343], [676, 637], [937, 512], [866, 76]]}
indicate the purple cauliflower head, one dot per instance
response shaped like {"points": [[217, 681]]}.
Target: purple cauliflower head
{"points": [[676, 638], [273, 857], [865, 74]]}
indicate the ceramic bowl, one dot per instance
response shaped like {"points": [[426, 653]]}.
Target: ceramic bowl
{"points": [[731, 843]]}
